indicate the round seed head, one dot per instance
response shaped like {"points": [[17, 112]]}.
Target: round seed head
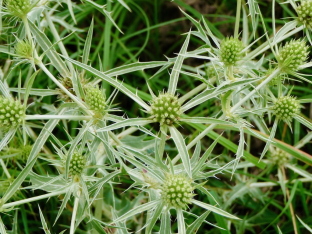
{"points": [[177, 191], [12, 113], [77, 164], [279, 157], [292, 55], [230, 51], [165, 109], [18, 8], [96, 100], [24, 49], [304, 12], [286, 107]]}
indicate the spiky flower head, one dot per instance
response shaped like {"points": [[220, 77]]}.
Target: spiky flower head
{"points": [[19, 8], [304, 12], [177, 191], [165, 109], [285, 108], [292, 55], [230, 51], [24, 49], [279, 157], [12, 113], [77, 164], [96, 100]]}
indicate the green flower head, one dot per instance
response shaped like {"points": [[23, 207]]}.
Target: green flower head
{"points": [[177, 191], [292, 55], [24, 49], [19, 8], [77, 164], [165, 109], [12, 113], [280, 157], [96, 100], [230, 51], [304, 12], [286, 107]]}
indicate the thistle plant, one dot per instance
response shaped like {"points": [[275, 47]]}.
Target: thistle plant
{"points": [[99, 128]]}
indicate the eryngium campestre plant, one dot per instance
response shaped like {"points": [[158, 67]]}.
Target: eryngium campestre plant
{"points": [[230, 51], [279, 157], [304, 11], [285, 108], [12, 112], [292, 55], [77, 164], [165, 109], [95, 100], [177, 191], [18, 8]]}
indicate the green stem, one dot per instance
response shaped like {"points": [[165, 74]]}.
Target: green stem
{"points": [[17, 203], [162, 143], [66, 117], [238, 11], [73, 219]]}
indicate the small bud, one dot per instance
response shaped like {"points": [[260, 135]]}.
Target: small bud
{"points": [[177, 191], [286, 107], [304, 12], [165, 109], [12, 113], [18, 8], [24, 49], [212, 71], [77, 164], [292, 55], [230, 51]]}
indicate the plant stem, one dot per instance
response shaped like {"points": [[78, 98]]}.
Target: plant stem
{"points": [[48, 195], [73, 219], [293, 217], [238, 11], [270, 184], [66, 117], [267, 80], [192, 92], [162, 143]]}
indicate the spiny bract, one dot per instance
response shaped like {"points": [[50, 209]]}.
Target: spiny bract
{"points": [[304, 11], [95, 99], [292, 55], [177, 191], [12, 113], [286, 107], [279, 157], [165, 109], [77, 164], [18, 8], [24, 49], [230, 51]]}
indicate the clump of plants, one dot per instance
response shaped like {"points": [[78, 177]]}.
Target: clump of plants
{"points": [[213, 137]]}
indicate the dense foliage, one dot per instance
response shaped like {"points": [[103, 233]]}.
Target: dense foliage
{"points": [[155, 116]]}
